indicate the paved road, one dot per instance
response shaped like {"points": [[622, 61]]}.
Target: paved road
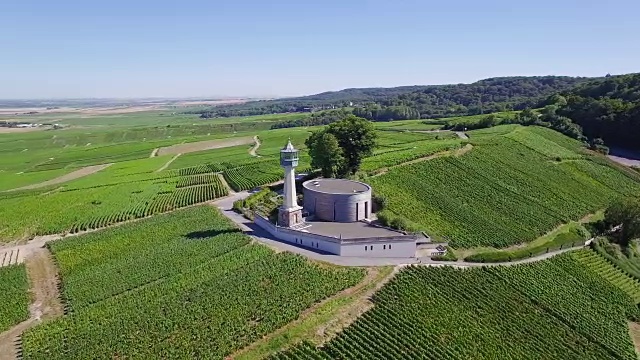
{"points": [[225, 205], [625, 156], [624, 160]]}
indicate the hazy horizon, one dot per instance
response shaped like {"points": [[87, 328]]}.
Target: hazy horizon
{"points": [[250, 49], [224, 97]]}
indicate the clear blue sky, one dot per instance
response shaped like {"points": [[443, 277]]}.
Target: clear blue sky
{"points": [[141, 48]]}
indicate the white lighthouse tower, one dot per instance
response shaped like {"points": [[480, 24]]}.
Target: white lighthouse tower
{"points": [[290, 214]]}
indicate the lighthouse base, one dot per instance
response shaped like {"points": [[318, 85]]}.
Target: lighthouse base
{"points": [[290, 217]]}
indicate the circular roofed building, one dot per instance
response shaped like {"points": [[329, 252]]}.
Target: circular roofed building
{"points": [[337, 200]]}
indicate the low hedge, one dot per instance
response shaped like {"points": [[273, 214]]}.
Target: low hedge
{"points": [[562, 241]]}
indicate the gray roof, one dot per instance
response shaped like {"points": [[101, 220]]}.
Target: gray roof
{"points": [[336, 186], [349, 231]]}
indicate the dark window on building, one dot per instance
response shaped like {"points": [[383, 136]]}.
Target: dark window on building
{"points": [[366, 209], [365, 248], [371, 247], [389, 246], [384, 247], [334, 211], [357, 210]]}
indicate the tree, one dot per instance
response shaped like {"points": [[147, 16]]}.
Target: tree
{"points": [[557, 100], [356, 139], [527, 117], [325, 153], [625, 213]]}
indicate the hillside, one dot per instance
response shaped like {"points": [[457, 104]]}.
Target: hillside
{"points": [[607, 109], [515, 185], [484, 96], [556, 309]]}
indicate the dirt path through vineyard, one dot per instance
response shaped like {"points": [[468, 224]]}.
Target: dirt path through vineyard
{"points": [[46, 304], [459, 152], [88, 170], [324, 319], [166, 165], [253, 150]]}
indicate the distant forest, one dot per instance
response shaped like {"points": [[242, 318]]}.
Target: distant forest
{"points": [[415, 102]]}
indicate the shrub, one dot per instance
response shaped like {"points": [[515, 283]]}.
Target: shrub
{"points": [[449, 255], [380, 202], [399, 223]]}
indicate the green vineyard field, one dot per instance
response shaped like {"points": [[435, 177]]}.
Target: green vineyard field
{"points": [[502, 192], [251, 176], [123, 191], [617, 277], [14, 296], [181, 285], [419, 149], [554, 309]]}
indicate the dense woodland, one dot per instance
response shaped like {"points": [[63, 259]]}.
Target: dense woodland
{"points": [[607, 109], [482, 97]]}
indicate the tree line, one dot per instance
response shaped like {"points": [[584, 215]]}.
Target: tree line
{"points": [[316, 119]]}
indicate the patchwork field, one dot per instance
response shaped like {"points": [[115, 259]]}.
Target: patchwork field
{"points": [[55, 200], [188, 284], [555, 309]]}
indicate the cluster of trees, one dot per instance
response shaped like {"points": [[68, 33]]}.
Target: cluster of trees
{"points": [[377, 112], [315, 119], [626, 214], [338, 149], [608, 109]]}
